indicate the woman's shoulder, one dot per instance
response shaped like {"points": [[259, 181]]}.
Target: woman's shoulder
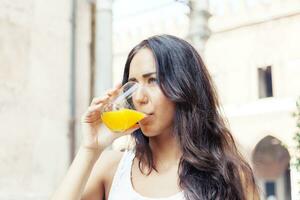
{"points": [[103, 171], [108, 162], [111, 156]]}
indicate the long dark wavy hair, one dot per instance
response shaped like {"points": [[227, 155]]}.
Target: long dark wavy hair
{"points": [[211, 167]]}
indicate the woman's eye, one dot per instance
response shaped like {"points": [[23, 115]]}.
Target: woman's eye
{"points": [[152, 80]]}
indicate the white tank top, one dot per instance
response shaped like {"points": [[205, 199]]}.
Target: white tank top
{"points": [[122, 188]]}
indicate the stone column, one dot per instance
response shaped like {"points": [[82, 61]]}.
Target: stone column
{"points": [[103, 69], [199, 31]]}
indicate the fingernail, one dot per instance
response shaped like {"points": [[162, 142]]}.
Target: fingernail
{"points": [[118, 85]]}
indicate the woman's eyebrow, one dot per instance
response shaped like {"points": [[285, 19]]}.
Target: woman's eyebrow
{"points": [[148, 74], [144, 76]]}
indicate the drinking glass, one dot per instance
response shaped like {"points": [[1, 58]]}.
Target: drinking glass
{"points": [[120, 114]]}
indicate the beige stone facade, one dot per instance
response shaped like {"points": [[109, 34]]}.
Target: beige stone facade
{"points": [[243, 40], [35, 56], [35, 69], [238, 47]]}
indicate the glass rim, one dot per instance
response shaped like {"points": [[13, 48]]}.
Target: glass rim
{"points": [[127, 93]]}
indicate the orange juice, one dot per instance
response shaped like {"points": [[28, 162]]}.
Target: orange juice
{"points": [[121, 120]]}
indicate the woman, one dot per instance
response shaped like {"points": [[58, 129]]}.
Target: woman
{"points": [[183, 150]]}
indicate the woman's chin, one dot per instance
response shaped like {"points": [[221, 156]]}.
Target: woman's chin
{"points": [[147, 131]]}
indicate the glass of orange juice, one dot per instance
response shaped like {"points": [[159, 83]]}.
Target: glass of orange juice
{"points": [[120, 113]]}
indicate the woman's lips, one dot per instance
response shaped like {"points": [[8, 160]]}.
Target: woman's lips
{"points": [[147, 119]]}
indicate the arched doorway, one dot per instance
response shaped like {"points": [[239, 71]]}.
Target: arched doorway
{"points": [[271, 167]]}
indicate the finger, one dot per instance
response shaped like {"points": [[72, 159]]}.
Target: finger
{"points": [[93, 113], [115, 90], [118, 85], [95, 109], [98, 100], [90, 119], [108, 95]]}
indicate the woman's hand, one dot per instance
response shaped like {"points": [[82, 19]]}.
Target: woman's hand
{"points": [[95, 135]]}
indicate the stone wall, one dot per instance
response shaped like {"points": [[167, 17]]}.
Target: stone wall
{"points": [[35, 41], [234, 54]]}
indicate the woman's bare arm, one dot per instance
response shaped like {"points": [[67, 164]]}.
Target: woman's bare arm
{"points": [[95, 139], [76, 178], [99, 182]]}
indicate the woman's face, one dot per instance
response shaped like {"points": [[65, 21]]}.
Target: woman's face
{"points": [[149, 98]]}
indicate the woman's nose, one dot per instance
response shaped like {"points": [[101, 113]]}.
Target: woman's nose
{"points": [[140, 96]]}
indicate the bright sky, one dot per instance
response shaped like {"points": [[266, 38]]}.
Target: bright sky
{"points": [[129, 14], [129, 8], [132, 8], [137, 10]]}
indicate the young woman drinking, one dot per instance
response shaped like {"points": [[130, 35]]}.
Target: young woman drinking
{"points": [[183, 149]]}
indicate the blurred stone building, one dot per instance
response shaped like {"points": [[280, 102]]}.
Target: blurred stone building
{"points": [[253, 54], [254, 57], [48, 62], [38, 48]]}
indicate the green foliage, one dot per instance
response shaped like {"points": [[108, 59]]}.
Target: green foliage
{"points": [[297, 135]]}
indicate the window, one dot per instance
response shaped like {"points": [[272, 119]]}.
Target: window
{"points": [[270, 188], [265, 86], [287, 184]]}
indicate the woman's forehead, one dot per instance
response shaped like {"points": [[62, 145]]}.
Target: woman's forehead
{"points": [[142, 63]]}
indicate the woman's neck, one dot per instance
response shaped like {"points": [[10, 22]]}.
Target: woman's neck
{"points": [[166, 151]]}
